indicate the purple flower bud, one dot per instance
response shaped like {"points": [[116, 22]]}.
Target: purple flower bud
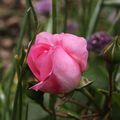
{"points": [[98, 41], [72, 26], [44, 6]]}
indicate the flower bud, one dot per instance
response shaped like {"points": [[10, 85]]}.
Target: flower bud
{"points": [[53, 73], [112, 51]]}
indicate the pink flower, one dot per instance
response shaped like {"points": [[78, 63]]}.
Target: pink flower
{"points": [[57, 61]]}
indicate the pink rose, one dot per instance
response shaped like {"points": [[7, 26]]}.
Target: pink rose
{"points": [[57, 61]]}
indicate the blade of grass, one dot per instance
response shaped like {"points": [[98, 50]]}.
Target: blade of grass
{"points": [[19, 85], [13, 69], [112, 2], [10, 81], [65, 15], [33, 11], [18, 96], [26, 115], [54, 16], [94, 18]]}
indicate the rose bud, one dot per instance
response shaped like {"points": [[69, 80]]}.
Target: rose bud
{"points": [[57, 61], [112, 51], [98, 41]]}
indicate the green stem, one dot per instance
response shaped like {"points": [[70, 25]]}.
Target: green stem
{"points": [[33, 11], [15, 106], [94, 18], [21, 69], [112, 27], [110, 91], [20, 100], [23, 29], [52, 107], [65, 16], [83, 4], [115, 75], [10, 81], [91, 98], [18, 95], [26, 115], [54, 30], [12, 71], [54, 16], [29, 27], [111, 69]]}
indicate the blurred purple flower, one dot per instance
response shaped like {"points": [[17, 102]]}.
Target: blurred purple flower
{"points": [[72, 26], [98, 41], [44, 6]]}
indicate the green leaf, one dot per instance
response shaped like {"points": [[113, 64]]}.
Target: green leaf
{"points": [[52, 106]]}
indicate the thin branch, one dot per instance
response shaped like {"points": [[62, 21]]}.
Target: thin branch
{"points": [[68, 115], [79, 104], [91, 115]]}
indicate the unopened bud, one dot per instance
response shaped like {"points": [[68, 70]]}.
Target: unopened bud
{"points": [[112, 51]]}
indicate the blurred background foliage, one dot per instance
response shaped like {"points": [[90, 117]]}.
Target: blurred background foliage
{"points": [[18, 26]]}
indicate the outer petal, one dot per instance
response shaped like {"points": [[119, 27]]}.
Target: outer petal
{"points": [[39, 55], [33, 67], [50, 85], [44, 37], [76, 47], [65, 68]]}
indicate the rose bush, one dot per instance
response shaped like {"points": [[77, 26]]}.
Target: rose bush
{"points": [[57, 61]]}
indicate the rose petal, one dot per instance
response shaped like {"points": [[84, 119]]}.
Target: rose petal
{"points": [[44, 37], [62, 64], [33, 67], [66, 70], [37, 86], [66, 75], [50, 85], [76, 47], [32, 60], [44, 63]]}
